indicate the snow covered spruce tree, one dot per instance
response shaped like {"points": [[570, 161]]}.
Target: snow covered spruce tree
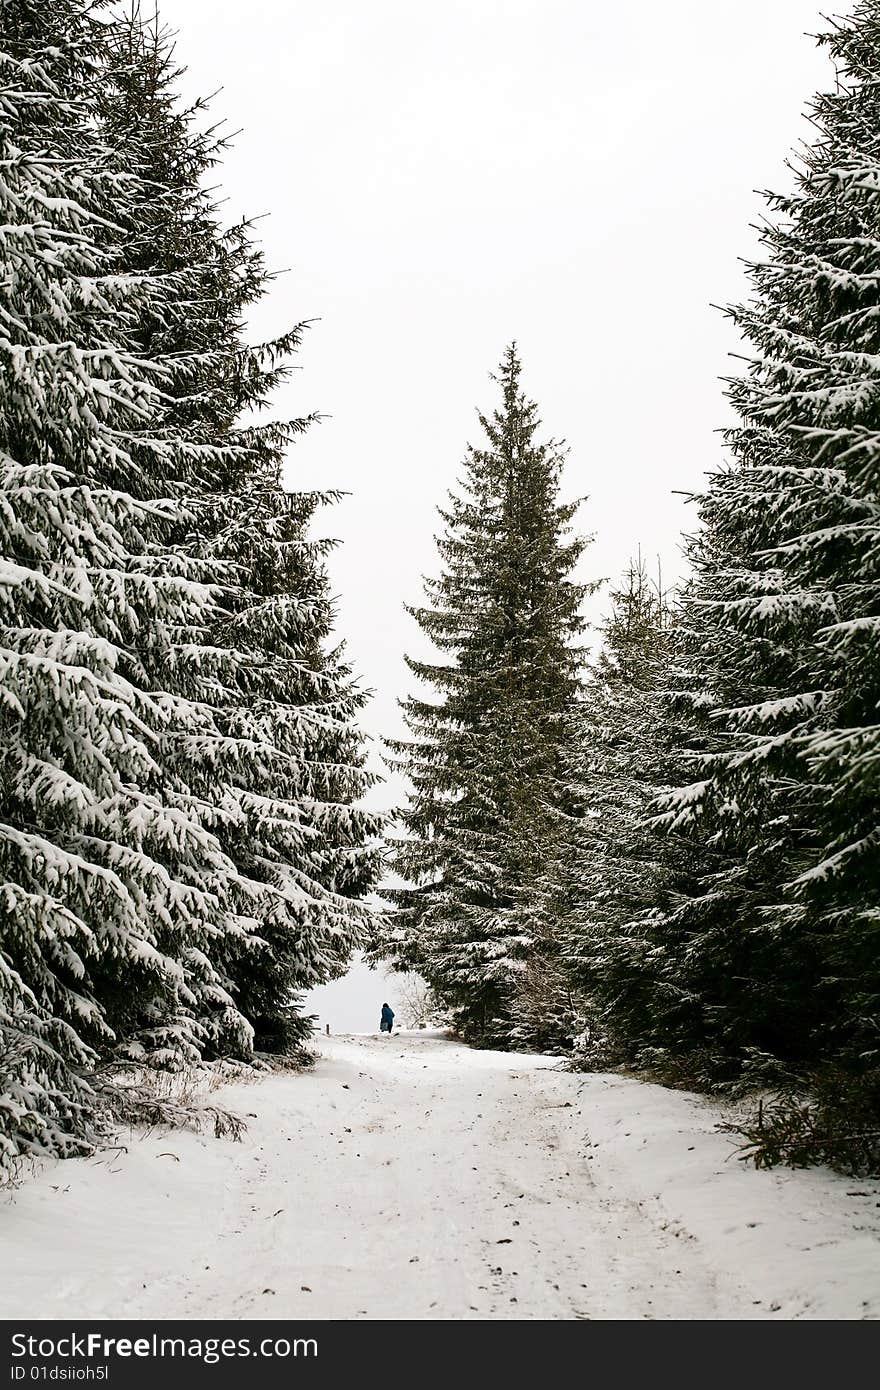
{"points": [[779, 945], [124, 917], [486, 756], [98, 862], [280, 761], [609, 873]]}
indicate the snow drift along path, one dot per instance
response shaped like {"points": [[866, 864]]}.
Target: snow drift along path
{"points": [[410, 1177]]}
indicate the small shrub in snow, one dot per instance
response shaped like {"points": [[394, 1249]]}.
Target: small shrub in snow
{"points": [[835, 1121]]}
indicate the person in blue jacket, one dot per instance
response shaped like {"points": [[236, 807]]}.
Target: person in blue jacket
{"points": [[387, 1019]]}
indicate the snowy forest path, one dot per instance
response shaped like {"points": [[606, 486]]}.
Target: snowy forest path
{"points": [[410, 1177]]}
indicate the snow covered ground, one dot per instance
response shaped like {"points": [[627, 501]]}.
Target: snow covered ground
{"points": [[411, 1178]]}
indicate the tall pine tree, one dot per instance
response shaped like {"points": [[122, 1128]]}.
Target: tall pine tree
{"points": [[178, 842], [280, 758], [778, 943], [486, 757], [109, 887]]}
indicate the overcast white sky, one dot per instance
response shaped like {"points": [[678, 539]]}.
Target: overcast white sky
{"points": [[439, 179], [442, 178]]}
